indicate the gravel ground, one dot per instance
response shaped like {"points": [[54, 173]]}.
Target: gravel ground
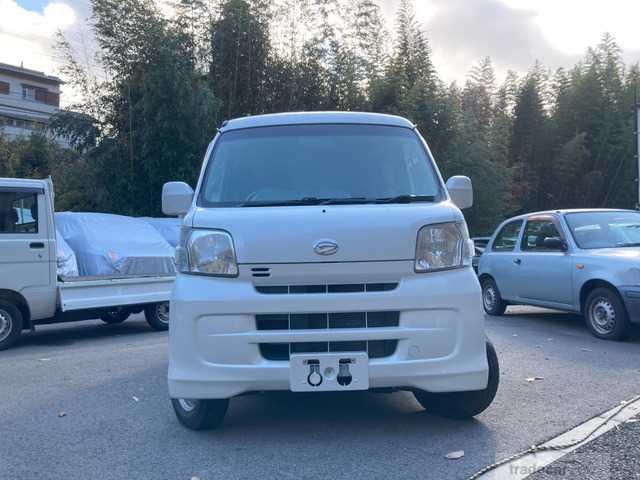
{"points": [[612, 456]]}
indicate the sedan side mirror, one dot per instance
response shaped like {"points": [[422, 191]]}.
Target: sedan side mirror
{"points": [[176, 198], [555, 243], [461, 191]]}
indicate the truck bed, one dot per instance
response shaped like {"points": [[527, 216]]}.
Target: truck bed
{"points": [[84, 293]]}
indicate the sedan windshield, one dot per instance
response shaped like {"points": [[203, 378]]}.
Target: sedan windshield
{"points": [[606, 229], [319, 164]]}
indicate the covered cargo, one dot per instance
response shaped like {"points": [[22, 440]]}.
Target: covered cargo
{"points": [[169, 228], [115, 245], [66, 258]]}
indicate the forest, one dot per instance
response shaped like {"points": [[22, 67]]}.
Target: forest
{"points": [[162, 80]]}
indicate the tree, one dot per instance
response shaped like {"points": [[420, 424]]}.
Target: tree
{"points": [[240, 46]]}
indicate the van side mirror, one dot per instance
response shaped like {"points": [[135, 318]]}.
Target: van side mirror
{"points": [[555, 243], [461, 191], [176, 198]]}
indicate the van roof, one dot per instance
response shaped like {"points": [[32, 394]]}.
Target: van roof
{"points": [[317, 118]]}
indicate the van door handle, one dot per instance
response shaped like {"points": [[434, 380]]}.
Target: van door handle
{"points": [[517, 261], [36, 245]]}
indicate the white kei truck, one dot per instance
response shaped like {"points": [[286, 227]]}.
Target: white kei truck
{"points": [[32, 293], [324, 252]]}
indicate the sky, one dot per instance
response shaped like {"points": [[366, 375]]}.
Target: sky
{"points": [[514, 33]]}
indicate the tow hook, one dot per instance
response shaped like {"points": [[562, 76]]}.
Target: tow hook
{"points": [[344, 375], [315, 377]]}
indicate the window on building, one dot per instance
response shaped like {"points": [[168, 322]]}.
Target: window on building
{"points": [[4, 88], [29, 92], [41, 95], [18, 212]]}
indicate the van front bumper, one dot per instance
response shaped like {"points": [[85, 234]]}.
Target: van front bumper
{"points": [[214, 342]]}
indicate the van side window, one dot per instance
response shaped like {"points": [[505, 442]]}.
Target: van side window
{"points": [[535, 234], [18, 212], [507, 237]]}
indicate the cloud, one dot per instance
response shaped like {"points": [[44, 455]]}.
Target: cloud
{"points": [[516, 33], [26, 36]]}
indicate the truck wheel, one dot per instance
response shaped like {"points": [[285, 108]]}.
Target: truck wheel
{"points": [[605, 314], [157, 316], [491, 298], [10, 324], [464, 404], [117, 315], [200, 414]]}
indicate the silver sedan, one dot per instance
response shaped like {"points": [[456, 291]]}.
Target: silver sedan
{"points": [[585, 261]]}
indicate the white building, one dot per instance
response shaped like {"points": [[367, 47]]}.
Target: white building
{"points": [[27, 100]]}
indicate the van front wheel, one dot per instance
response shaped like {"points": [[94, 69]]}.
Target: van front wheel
{"points": [[200, 414], [464, 404]]}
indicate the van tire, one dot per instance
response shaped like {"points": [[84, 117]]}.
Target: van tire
{"points": [[115, 316], [157, 316], [605, 314], [492, 301], [200, 414], [10, 324], [462, 405]]}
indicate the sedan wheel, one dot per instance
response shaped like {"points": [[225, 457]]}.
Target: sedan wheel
{"points": [[491, 298], [605, 314]]}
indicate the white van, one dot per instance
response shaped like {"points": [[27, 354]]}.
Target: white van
{"points": [[322, 252]]}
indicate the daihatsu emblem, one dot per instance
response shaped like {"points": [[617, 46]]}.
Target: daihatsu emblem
{"points": [[325, 247]]}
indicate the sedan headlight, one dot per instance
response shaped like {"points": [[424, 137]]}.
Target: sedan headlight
{"points": [[442, 247], [206, 252]]}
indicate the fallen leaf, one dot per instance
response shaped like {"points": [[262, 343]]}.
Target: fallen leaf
{"points": [[45, 359], [135, 399], [458, 454], [586, 350], [62, 414], [534, 379], [515, 334]]}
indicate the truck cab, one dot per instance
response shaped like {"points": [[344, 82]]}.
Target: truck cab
{"points": [[323, 252]]}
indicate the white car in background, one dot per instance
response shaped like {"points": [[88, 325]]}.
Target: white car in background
{"points": [[585, 261], [322, 252]]}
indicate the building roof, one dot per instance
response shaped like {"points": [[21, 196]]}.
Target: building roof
{"points": [[22, 183], [29, 74], [311, 118]]}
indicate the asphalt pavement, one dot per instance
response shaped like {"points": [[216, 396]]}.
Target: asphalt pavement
{"points": [[89, 400]]}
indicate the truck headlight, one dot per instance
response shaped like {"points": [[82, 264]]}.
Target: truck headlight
{"points": [[206, 252], [442, 247]]}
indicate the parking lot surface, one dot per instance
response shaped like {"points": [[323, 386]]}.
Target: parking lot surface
{"points": [[88, 400]]}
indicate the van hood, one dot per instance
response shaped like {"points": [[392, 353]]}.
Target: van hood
{"points": [[300, 234]]}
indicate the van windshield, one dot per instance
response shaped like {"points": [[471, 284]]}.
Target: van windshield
{"points": [[318, 164]]}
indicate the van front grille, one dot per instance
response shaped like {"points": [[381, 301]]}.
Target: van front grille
{"points": [[320, 321], [324, 288]]}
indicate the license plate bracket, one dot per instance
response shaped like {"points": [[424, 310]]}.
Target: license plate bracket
{"points": [[329, 372]]}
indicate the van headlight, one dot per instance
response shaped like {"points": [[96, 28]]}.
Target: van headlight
{"points": [[442, 247], [206, 252]]}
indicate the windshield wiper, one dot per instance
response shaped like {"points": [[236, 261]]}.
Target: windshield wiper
{"points": [[407, 199], [631, 244], [282, 203], [345, 201]]}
